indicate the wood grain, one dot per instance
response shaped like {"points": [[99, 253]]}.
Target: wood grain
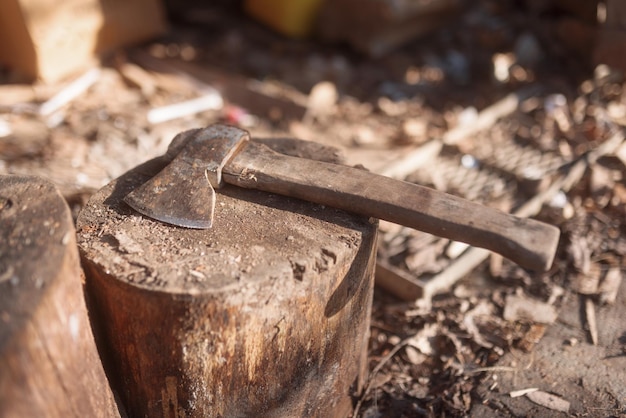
{"points": [[49, 365], [530, 243]]}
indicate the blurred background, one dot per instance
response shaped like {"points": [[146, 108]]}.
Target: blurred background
{"points": [[517, 104]]}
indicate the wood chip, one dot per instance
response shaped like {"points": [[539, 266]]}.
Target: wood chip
{"points": [[127, 244], [520, 308], [415, 356], [587, 283], [522, 392], [601, 184], [549, 400], [532, 337], [424, 339], [590, 314], [621, 154], [610, 285], [322, 99], [136, 76]]}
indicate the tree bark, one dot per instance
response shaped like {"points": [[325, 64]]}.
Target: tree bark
{"points": [[49, 364]]}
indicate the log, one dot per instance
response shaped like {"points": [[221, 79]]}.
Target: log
{"points": [[49, 364], [266, 314]]}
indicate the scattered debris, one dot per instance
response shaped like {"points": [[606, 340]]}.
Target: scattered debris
{"points": [[211, 101]]}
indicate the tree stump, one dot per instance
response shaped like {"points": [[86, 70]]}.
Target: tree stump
{"points": [[265, 315], [49, 365]]}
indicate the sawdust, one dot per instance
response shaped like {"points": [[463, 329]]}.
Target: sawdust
{"points": [[256, 237]]}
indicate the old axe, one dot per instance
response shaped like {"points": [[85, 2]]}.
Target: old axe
{"points": [[202, 159]]}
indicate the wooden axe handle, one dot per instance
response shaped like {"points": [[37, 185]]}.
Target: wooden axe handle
{"points": [[530, 243]]}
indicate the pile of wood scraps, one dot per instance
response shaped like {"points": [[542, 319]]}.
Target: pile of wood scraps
{"points": [[503, 306], [510, 173]]}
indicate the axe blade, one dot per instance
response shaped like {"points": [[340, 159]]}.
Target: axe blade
{"points": [[180, 195]]}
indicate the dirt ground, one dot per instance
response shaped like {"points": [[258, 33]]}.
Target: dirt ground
{"points": [[500, 105]]}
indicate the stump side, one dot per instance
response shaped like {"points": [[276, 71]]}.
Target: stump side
{"points": [[48, 359], [267, 314]]}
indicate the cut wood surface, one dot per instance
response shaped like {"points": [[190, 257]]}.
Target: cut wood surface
{"points": [[266, 314], [49, 365]]}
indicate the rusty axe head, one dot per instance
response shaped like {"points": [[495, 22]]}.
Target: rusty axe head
{"points": [[183, 192]]}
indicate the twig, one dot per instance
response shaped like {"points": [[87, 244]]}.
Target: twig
{"points": [[375, 371], [493, 369], [70, 92], [443, 281], [411, 161], [486, 118], [590, 314]]}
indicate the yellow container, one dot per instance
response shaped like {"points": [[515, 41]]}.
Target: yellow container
{"points": [[294, 18]]}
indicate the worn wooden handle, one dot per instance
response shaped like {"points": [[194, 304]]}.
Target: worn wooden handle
{"points": [[530, 243]]}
